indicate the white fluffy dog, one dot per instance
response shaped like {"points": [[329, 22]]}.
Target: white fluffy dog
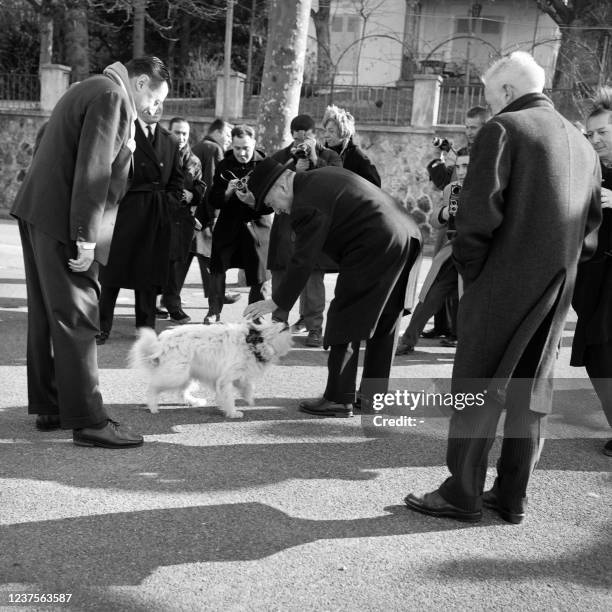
{"points": [[219, 356]]}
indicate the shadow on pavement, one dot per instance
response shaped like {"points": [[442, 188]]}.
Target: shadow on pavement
{"points": [[591, 567], [127, 547]]}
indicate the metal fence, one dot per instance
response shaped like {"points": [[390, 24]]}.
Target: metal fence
{"points": [[19, 90], [390, 105], [191, 97], [456, 100]]}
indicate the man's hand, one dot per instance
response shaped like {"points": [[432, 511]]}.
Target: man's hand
{"points": [[83, 261], [230, 189], [449, 158], [187, 196], [606, 198], [259, 309], [247, 197], [312, 143], [302, 164]]}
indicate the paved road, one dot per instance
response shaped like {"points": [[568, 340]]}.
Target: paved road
{"points": [[279, 511]]}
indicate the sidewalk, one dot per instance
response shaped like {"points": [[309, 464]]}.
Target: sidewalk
{"points": [[279, 511]]}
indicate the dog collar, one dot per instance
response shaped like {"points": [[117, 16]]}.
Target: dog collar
{"points": [[253, 340]]}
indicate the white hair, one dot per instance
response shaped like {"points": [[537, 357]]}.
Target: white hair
{"points": [[518, 69]]}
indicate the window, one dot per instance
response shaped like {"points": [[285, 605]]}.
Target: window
{"points": [[486, 39]]}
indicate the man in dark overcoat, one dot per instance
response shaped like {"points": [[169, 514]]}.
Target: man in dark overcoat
{"points": [[528, 209], [241, 234], [183, 221], [140, 251], [210, 151], [373, 241], [592, 301], [66, 208]]}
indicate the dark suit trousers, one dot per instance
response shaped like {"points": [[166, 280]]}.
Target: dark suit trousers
{"points": [[379, 350], [62, 359], [171, 297], [444, 286], [144, 307], [472, 433]]}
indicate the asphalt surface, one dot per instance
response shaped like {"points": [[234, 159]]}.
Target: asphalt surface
{"points": [[279, 511]]}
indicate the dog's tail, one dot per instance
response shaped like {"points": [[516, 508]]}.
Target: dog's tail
{"points": [[146, 350]]}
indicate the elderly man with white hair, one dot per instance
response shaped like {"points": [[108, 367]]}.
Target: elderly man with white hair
{"points": [[529, 210]]}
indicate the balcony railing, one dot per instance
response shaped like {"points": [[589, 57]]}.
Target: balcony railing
{"points": [[19, 90]]}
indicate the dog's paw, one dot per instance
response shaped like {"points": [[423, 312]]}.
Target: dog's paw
{"points": [[237, 414], [196, 402]]}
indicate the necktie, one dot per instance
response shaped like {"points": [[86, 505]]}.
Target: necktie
{"points": [[150, 134]]}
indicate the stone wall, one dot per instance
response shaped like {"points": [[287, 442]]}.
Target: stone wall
{"points": [[18, 129], [400, 154]]}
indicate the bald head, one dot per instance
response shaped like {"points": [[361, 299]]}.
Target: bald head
{"points": [[512, 77]]}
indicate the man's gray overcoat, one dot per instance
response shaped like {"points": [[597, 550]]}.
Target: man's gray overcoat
{"points": [[529, 208]]}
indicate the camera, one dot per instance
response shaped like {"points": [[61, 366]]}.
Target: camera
{"points": [[442, 143], [453, 205], [242, 184], [301, 151]]}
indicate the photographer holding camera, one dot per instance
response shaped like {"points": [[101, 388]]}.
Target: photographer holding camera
{"points": [[441, 283], [302, 155], [240, 236], [441, 172]]}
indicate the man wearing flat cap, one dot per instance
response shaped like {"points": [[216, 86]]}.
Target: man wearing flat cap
{"points": [[374, 242]]}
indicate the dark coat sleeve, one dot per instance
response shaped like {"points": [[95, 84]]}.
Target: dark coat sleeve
{"points": [[483, 196], [360, 164], [311, 227], [105, 129]]}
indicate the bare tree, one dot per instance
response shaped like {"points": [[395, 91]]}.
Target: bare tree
{"points": [[76, 38], [585, 48], [321, 19], [283, 70]]}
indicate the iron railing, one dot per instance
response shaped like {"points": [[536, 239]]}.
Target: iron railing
{"points": [[368, 104], [191, 97], [19, 90], [455, 100]]}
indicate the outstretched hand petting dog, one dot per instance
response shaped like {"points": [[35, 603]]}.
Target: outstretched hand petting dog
{"points": [[259, 309]]}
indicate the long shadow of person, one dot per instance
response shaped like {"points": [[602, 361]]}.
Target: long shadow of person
{"points": [[125, 548]]}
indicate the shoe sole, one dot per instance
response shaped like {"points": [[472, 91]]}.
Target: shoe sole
{"points": [[91, 443], [330, 413], [515, 518], [464, 518], [46, 428]]}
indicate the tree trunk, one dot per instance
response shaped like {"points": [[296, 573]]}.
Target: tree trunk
{"points": [[77, 38], [283, 70], [321, 19], [138, 39], [185, 39], [46, 32]]}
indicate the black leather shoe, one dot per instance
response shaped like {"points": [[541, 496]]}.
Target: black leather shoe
{"points": [[180, 317], [324, 408], [112, 435], [161, 314], [490, 500], [404, 349], [231, 298], [101, 338], [433, 504], [607, 449], [208, 319], [433, 333], [47, 422]]}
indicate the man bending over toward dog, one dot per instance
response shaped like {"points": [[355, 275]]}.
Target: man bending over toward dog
{"points": [[373, 241]]}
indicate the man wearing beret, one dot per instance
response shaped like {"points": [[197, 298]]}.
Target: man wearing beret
{"points": [[373, 240]]}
